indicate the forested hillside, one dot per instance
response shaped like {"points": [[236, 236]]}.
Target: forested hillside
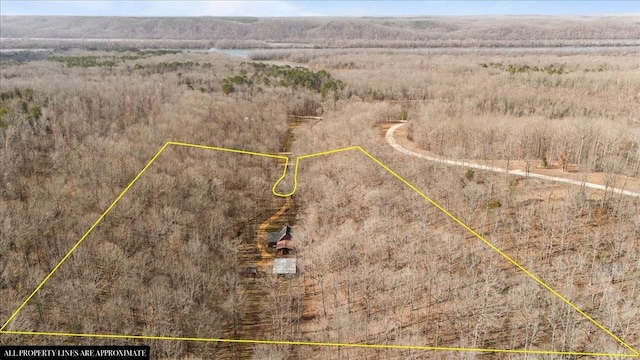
{"points": [[74, 132], [333, 32], [376, 262]]}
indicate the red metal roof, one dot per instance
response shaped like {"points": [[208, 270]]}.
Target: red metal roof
{"points": [[284, 244]]}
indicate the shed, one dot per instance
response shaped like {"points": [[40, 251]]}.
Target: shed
{"points": [[283, 266], [274, 237], [284, 247]]}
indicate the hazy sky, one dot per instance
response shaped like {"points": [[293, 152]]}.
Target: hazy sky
{"points": [[314, 8]]}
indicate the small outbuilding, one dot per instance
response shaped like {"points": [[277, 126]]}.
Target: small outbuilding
{"points": [[274, 237], [282, 266], [284, 247]]}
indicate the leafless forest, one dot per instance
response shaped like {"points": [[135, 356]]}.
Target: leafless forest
{"points": [[377, 263], [248, 32]]}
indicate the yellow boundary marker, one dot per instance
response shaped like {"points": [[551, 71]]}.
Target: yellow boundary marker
{"points": [[309, 343], [295, 183]]}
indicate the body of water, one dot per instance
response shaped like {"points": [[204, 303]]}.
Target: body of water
{"points": [[241, 53]]}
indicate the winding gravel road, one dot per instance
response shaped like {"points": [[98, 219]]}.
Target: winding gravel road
{"points": [[391, 141]]}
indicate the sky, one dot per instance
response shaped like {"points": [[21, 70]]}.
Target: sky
{"points": [[315, 8]]}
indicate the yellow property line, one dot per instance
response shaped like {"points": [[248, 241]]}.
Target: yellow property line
{"points": [[295, 170], [378, 162], [309, 343], [83, 237], [493, 247]]}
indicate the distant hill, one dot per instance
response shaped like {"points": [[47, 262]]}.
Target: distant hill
{"points": [[327, 32]]}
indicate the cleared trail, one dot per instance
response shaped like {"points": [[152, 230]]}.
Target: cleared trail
{"points": [[389, 137], [254, 320], [265, 256]]}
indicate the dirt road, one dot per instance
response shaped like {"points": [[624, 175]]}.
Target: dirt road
{"points": [[389, 137], [265, 256]]}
